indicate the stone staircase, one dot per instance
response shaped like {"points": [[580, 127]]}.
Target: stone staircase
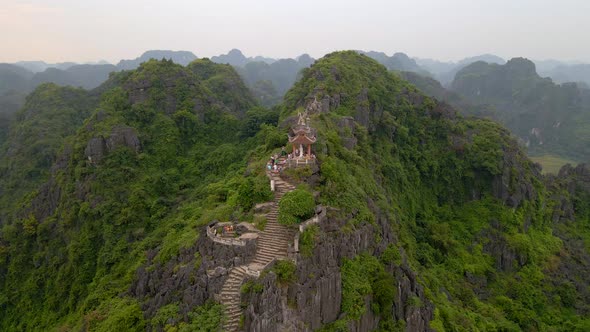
{"points": [[272, 243]]}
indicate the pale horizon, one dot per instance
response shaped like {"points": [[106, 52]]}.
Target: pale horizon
{"points": [[91, 31]]}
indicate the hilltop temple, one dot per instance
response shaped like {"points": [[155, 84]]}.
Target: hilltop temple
{"points": [[301, 137]]}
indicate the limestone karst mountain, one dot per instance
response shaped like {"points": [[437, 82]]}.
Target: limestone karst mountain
{"points": [[179, 57], [411, 217], [445, 72], [550, 118]]}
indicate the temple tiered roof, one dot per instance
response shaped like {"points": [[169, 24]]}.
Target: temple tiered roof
{"points": [[302, 133]]}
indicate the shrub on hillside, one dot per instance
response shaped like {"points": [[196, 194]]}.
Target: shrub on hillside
{"points": [[296, 206]]}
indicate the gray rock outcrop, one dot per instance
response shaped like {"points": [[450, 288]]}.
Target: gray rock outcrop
{"points": [[98, 147]]}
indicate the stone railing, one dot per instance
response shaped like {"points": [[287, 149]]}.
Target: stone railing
{"points": [[296, 162], [319, 217]]}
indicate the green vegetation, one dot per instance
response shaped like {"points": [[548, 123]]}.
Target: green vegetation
{"points": [[251, 286], [285, 271], [431, 174], [117, 315], [362, 277], [102, 192], [307, 240], [260, 221], [50, 115], [70, 249], [206, 318], [296, 206], [297, 174], [553, 119]]}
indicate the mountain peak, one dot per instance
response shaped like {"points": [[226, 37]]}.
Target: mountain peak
{"points": [[521, 67], [179, 57], [234, 57]]}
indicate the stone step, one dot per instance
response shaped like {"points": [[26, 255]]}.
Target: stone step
{"points": [[232, 285], [274, 244], [273, 232], [268, 252], [231, 326], [263, 237], [274, 229], [234, 311], [235, 277], [232, 323], [273, 224], [238, 270], [277, 228], [273, 239], [277, 243], [265, 260], [270, 257], [271, 249]]}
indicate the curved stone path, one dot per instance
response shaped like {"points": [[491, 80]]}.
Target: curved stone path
{"points": [[272, 243]]}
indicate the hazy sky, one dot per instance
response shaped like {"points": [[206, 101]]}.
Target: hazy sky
{"points": [[90, 30]]}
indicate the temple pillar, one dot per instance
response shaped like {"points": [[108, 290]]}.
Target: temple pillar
{"points": [[309, 150], [300, 150]]}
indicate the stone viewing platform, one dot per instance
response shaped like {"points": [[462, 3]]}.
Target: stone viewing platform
{"points": [[229, 238]]}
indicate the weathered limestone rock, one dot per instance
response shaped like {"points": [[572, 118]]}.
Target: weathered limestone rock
{"points": [[346, 129], [314, 299], [191, 278], [95, 149], [98, 147], [123, 136]]}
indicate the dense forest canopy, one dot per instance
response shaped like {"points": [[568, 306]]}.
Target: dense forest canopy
{"points": [[434, 220]]}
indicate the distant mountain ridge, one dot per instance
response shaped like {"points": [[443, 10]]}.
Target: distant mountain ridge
{"points": [[548, 117], [398, 61], [268, 78], [179, 57], [445, 72]]}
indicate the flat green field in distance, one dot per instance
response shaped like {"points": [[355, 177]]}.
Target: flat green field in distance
{"points": [[552, 163]]}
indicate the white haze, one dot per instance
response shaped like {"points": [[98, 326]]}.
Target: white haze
{"points": [[89, 30]]}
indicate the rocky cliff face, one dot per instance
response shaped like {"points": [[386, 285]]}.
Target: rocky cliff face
{"points": [[572, 211], [314, 299], [121, 136], [192, 277]]}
